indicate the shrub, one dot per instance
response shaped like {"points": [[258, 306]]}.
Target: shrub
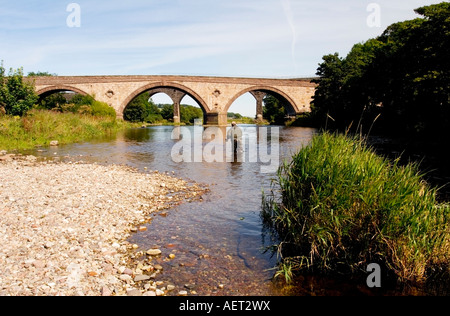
{"points": [[342, 207], [16, 95], [102, 109]]}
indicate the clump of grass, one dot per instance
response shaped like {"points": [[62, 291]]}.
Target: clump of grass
{"points": [[40, 127], [341, 207]]}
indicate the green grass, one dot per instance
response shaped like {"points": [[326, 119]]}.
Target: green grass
{"points": [[40, 127], [341, 207]]}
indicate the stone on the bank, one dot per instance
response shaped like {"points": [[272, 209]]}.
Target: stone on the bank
{"points": [[54, 143], [134, 292], [106, 291], [154, 252], [125, 277], [141, 277], [170, 287], [159, 292]]}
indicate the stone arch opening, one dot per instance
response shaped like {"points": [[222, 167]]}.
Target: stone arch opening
{"points": [[176, 106], [55, 97], [56, 89], [175, 91], [260, 94], [243, 109]]}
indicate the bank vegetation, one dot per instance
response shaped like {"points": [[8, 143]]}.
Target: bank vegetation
{"points": [[338, 206]]}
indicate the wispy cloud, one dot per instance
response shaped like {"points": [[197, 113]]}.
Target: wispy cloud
{"points": [[290, 19]]}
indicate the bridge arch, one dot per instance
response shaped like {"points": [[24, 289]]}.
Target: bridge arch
{"points": [[154, 87], [268, 90], [59, 88]]}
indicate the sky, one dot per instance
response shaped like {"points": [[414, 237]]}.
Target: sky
{"points": [[231, 38]]}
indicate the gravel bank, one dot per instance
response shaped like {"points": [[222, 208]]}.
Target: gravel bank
{"points": [[63, 227]]}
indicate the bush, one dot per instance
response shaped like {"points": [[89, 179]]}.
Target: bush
{"points": [[102, 109], [16, 96], [135, 113], [343, 207]]}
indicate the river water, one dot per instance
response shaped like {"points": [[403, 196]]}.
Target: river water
{"points": [[218, 242]]}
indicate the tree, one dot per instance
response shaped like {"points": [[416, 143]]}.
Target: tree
{"points": [[16, 96], [274, 110], [327, 98], [402, 75], [142, 109]]}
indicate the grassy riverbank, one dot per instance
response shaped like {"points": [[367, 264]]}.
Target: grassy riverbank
{"points": [[40, 127], [342, 207]]}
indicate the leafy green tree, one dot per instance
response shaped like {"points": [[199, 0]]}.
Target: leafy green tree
{"points": [[167, 111], [402, 76], [142, 109], [16, 95], [190, 113], [274, 110]]}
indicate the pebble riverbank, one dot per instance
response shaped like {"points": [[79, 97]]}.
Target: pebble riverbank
{"points": [[64, 228]]}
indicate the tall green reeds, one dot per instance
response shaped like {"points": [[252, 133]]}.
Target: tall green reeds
{"points": [[341, 207]]}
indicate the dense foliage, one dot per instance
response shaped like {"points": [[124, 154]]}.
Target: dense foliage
{"points": [[400, 79], [16, 95], [274, 110], [343, 207], [76, 103]]}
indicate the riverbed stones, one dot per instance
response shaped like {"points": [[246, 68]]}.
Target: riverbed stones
{"points": [[154, 252], [141, 277], [64, 226]]}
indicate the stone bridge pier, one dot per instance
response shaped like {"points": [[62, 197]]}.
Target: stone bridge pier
{"points": [[214, 95]]}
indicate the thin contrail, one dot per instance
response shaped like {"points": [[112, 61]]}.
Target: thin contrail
{"points": [[290, 18]]}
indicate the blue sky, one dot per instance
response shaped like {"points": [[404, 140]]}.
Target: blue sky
{"points": [[248, 38]]}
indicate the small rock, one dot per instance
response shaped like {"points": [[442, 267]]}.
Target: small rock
{"points": [[159, 292], [106, 291], [141, 277], [134, 292], [127, 271], [154, 252], [149, 293], [125, 277], [189, 286], [183, 293], [158, 267], [54, 143], [170, 287]]}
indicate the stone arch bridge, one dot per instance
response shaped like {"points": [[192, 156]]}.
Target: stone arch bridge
{"points": [[215, 95]]}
